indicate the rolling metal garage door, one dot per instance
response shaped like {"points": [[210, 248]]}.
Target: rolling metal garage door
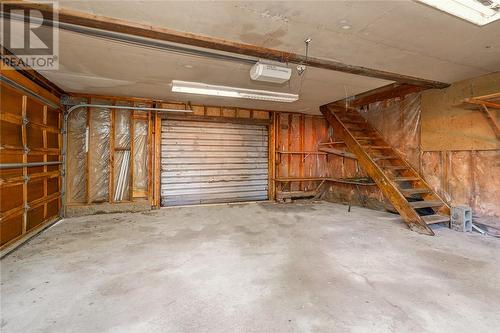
{"points": [[211, 162]]}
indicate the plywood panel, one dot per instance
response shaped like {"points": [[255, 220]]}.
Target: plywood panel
{"points": [[447, 124], [11, 228]]}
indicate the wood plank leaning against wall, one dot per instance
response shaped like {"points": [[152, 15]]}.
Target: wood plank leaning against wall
{"points": [[30, 123]]}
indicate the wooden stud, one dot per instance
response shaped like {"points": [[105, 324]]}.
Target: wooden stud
{"points": [[88, 131], [271, 157], [157, 166], [289, 134], [131, 160], [150, 160], [302, 142], [111, 181], [277, 158]]}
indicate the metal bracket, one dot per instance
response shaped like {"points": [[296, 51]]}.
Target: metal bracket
{"points": [[26, 207], [25, 121], [26, 178]]}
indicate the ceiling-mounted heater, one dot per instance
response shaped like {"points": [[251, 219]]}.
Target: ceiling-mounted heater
{"points": [[270, 73]]}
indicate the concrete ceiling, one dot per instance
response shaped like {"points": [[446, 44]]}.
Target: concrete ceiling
{"points": [[405, 37]]}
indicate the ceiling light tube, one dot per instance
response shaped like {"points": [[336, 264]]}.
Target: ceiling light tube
{"points": [[475, 11], [232, 92]]}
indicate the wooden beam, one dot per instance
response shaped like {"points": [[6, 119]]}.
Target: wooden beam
{"points": [[482, 102], [68, 18], [379, 94], [490, 116]]}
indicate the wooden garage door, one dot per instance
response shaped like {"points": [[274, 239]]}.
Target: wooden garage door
{"points": [[211, 162]]}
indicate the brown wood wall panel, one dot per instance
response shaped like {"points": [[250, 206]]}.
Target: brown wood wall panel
{"points": [[12, 102], [35, 113], [29, 132], [35, 217], [11, 228], [35, 190], [11, 197], [53, 208], [11, 134]]}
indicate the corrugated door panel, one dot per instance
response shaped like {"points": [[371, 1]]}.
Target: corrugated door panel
{"points": [[209, 162]]}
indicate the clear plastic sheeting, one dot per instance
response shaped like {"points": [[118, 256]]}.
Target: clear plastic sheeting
{"points": [[122, 128], [487, 183], [121, 168], [99, 136], [465, 178], [460, 187], [122, 176], [140, 155], [398, 120], [77, 156]]}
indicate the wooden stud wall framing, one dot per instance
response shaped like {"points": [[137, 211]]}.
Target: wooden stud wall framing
{"points": [[135, 116], [29, 132]]}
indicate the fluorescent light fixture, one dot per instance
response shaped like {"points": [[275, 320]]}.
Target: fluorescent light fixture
{"points": [[479, 12], [223, 91]]}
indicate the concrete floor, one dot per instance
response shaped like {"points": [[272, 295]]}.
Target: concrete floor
{"points": [[251, 268]]}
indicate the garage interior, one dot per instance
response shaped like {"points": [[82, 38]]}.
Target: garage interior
{"points": [[249, 166]]}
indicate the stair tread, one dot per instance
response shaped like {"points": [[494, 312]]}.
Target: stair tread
{"points": [[395, 167], [353, 121], [390, 157], [425, 204], [436, 218], [415, 190], [403, 179], [377, 147]]}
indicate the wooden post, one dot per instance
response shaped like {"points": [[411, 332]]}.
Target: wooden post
{"points": [[150, 160], [87, 166], [131, 160], [157, 164], [272, 156], [111, 182]]}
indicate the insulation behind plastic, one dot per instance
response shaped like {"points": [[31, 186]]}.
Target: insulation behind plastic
{"points": [[100, 125], [140, 155], [121, 171], [122, 128], [77, 155], [487, 183], [122, 175], [398, 120]]}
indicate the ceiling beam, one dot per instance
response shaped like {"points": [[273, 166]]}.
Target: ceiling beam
{"points": [[378, 94], [172, 36]]}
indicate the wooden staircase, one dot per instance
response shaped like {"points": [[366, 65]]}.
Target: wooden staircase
{"points": [[410, 195]]}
